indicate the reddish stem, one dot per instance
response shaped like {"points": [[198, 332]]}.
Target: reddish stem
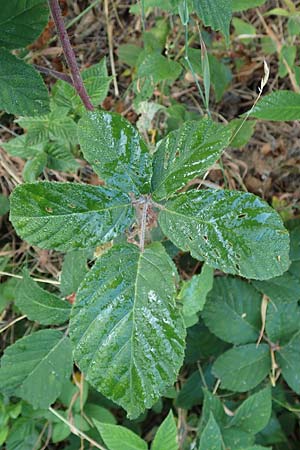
{"points": [[69, 54]]}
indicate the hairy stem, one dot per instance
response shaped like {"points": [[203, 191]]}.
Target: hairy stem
{"points": [[69, 54]]}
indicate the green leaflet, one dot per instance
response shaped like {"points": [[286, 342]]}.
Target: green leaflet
{"points": [[254, 413], [288, 360], [194, 292], [34, 167], [242, 5], [22, 21], [40, 305], [166, 435], [96, 82], [236, 232], [191, 392], [211, 438], [4, 204], [282, 289], [215, 14], [185, 154], [283, 321], [73, 271], [18, 146], [242, 368], [279, 105], [22, 90], [116, 151], [66, 216], [240, 303], [23, 435], [212, 405], [54, 126], [117, 437], [158, 68], [128, 334], [36, 367], [236, 439]]}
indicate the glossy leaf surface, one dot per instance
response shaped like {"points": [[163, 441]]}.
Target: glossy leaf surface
{"points": [[166, 435], [127, 331], [215, 14], [279, 105], [289, 362], [233, 231], [66, 216], [40, 305], [36, 367], [185, 154], [22, 21], [242, 368], [22, 90], [240, 303], [116, 151]]}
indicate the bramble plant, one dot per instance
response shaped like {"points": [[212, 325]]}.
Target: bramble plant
{"points": [[134, 323]]}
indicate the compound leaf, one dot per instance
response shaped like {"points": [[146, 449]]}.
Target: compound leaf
{"points": [[280, 106], [22, 21], [242, 368], [40, 305], [116, 151], [166, 435], [215, 14], [240, 303], [22, 90], [288, 360], [127, 331], [36, 367], [211, 437], [66, 216], [254, 413], [236, 232], [185, 154], [117, 437]]}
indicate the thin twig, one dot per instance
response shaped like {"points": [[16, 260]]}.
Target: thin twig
{"points": [[111, 51], [75, 430], [69, 54], [39, 280], [54, 73], [10, 324]]}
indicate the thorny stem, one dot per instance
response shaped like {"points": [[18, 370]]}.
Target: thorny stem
{"points": [[69, 54], [54, 73]]}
